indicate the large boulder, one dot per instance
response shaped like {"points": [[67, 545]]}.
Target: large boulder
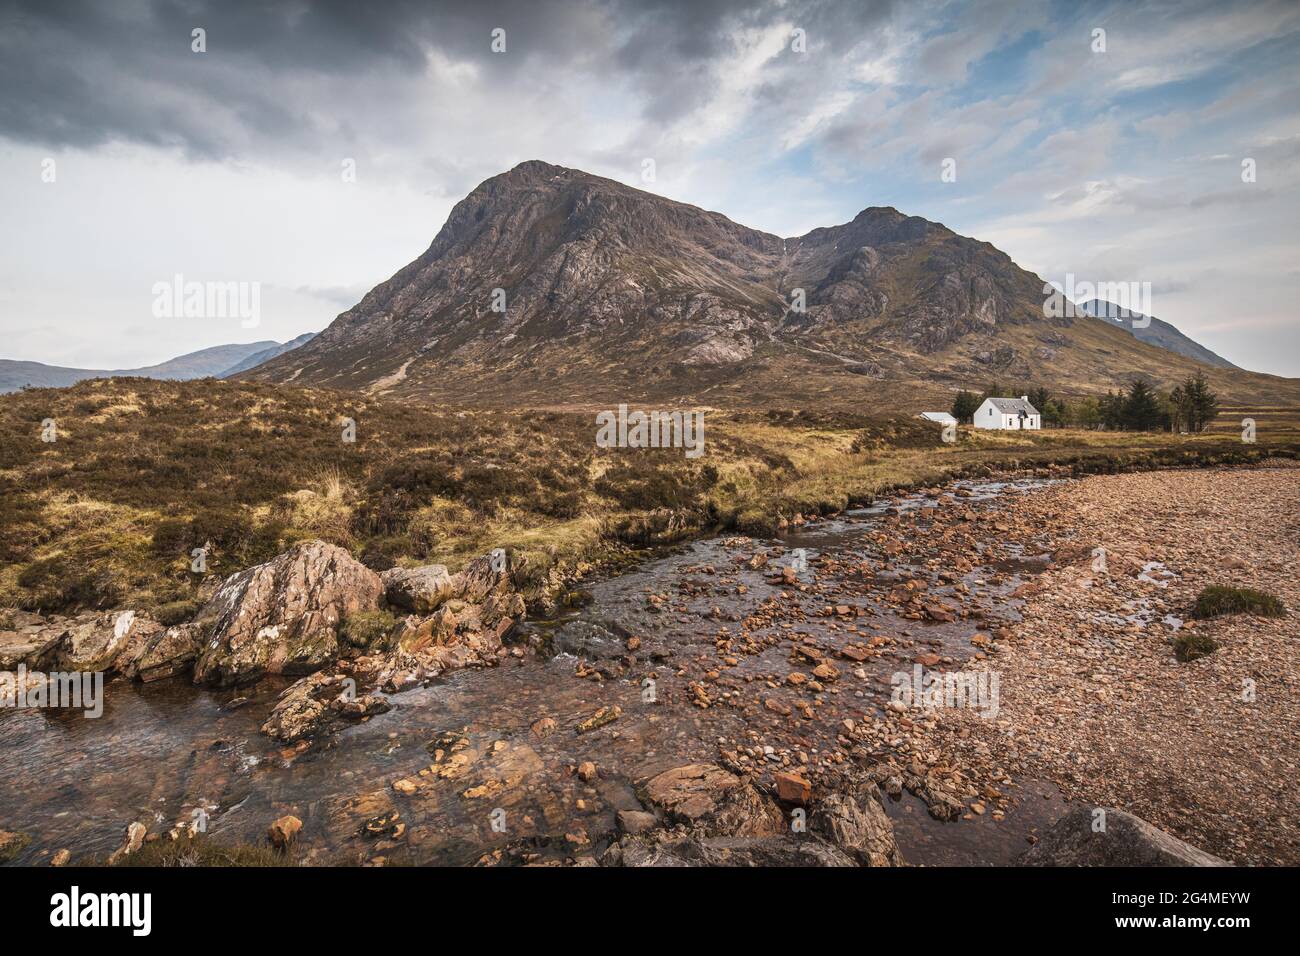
{"points": [[419, 590], [282, 617], [706, 796], [92, 641], [858, 826], [1126, 841]]}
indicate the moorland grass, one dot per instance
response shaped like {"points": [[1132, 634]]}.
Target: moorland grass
{"points": [[144, 472]]}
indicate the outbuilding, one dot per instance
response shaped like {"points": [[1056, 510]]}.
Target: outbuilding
{"points": [[943, 418]]}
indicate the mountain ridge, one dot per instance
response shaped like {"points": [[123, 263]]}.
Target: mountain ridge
{"points": [[1154, 332], [609, 291]]}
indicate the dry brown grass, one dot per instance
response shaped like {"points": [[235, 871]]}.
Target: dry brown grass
{"points": [[109, 514]]}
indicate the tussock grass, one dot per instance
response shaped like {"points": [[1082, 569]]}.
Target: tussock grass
{"points": [[1190, 646], [200, 850], [1219, 599]]}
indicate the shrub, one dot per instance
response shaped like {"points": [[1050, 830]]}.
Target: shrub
{"points": [[1190, 646], [1220, 599], [230, 531]]}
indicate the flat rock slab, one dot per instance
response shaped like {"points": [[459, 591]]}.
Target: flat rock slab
{"points": [[1126, 841]]}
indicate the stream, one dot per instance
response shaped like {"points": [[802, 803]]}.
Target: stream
{"points": [[169, 753]]}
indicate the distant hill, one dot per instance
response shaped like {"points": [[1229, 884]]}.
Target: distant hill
{"points": [[219, 361], [257, 358], [1158, 333]]}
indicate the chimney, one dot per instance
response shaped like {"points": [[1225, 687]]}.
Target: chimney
{"points": [[1024, 398]]}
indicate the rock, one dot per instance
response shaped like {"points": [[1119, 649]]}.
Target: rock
{"points": [[939, 613], [154, 652], [482, 578], [27, 638], [135, 834], [11, 844], [92, 641], [510, 766], [282, 617], [61, 858], [859, 827], [284, 831], [383, 825], [587, 771], [792, 788], [694, 850], [826, 672], [786, 850], [544, 727], [705, 795], [420, 633], [1127, 841], [636, 821], [606, 715], [311, 705], [420, 590]]}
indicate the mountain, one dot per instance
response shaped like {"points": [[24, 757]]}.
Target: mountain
{"points": [[1153, 331], [613, 294], [219, 360], [265, 355]]}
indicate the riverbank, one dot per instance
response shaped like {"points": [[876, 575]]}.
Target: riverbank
{"points": [[1093, 696]]}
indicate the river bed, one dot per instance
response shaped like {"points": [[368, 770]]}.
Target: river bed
{"points": [[172, 753]]}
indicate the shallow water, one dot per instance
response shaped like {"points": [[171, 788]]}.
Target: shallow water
{"points": [[162, 751]]}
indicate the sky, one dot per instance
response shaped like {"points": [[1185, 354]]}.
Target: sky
{"points": [[310, 150]]}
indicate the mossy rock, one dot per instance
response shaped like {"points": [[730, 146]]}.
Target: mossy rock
{"points": [[11, 844]]}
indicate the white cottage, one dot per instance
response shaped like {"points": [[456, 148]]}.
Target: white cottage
{"points": [[1008, 413]]}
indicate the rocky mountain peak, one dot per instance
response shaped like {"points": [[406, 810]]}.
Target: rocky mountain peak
{"points": [[550, 277]]}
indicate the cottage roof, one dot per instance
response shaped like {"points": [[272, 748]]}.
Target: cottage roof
{"points": [[1013, 406]]}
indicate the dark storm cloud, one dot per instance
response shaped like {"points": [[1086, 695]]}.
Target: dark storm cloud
{"points": [[86, 73], [83, 73]]}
